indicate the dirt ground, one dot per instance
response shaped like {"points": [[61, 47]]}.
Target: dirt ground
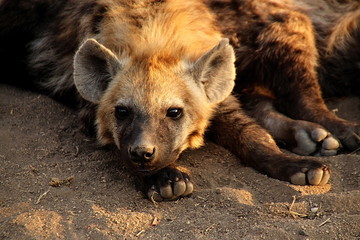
{"points": [[57, 184]]}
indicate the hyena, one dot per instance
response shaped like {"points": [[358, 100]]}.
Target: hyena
{"points": [[152, 77]]}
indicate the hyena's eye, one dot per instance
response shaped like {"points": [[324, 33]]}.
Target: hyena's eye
{"points": [[121, 112], [174, 113]]}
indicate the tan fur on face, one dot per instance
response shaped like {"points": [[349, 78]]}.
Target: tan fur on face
{"points": [[159, 41], [146, 87]]}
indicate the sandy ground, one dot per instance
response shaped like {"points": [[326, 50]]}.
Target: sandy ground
{"points": [[57, 184]]}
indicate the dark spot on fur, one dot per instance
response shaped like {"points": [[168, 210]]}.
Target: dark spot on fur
{"points": [[158, 2], [97, 18], [281, 18], [87, 115], [137, 20], [216, 62], [88, 8]]}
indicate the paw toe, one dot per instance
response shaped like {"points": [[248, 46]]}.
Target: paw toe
{"points": [[166, 191], [298, 178], [179, 188], [319, 134], [325, 178], [189, 187], [314, 176], [330, 143]]}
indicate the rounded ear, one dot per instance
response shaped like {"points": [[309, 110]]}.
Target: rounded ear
{"points": [[215, 72], [94, 67]]}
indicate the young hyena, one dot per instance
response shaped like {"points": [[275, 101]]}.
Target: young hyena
{"points": [[153, 76]]}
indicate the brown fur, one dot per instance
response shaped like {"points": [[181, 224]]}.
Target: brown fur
{"points": [[284, 47], [133, 64]]}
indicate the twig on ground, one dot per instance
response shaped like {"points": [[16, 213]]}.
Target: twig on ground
{"points": [[77, 151], [139, 233], [41, 196], [153, 200], [324, 222], [292, 204], [293, 213], [210, 227]]}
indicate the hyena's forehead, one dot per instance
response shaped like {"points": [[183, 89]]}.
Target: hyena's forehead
{"points": [[150, 103], [150, 90]]}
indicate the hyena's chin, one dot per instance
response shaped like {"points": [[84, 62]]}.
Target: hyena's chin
{"points": [[146, 170], [143, 171]]}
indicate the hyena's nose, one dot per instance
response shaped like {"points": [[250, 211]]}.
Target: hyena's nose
{"points": [[142, 153]]}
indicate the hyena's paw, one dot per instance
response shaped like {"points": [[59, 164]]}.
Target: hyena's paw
{"points": [[311, 176], [303, 172], [311, 139], [168, 184]]}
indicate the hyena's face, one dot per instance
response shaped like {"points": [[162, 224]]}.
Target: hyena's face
{"points": [[151, 116], [151, 110]]}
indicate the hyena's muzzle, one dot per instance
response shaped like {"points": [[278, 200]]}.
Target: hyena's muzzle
{"points": [[146, 148], [142, 150]]}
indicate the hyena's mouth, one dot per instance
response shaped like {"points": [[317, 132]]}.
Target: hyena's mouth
{"points": [[143, 169], [147, 170]]}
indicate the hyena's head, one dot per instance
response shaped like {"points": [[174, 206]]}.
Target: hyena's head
{"points": [[150, 108]]}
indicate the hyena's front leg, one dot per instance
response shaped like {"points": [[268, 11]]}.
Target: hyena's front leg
{"points": [[168, 184], [287, 58], [255, 147], [299, 136]]}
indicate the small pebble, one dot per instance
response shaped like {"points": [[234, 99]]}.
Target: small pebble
{"points": [[314, 209]]}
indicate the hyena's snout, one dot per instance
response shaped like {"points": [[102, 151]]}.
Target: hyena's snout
{"points": [[142, 150], [142, 153]]}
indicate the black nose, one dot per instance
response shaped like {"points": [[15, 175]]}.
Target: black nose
{"points": [[142, 153]]}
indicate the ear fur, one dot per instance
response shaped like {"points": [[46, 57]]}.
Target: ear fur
{"points": [[94, 67], [215, 73]]}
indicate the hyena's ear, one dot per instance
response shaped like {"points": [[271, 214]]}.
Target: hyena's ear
{"points": [[214, 72], [94, 67]]}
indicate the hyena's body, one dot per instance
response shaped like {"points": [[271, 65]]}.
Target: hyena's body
{"points": [[284, 48], [155, 74]]}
